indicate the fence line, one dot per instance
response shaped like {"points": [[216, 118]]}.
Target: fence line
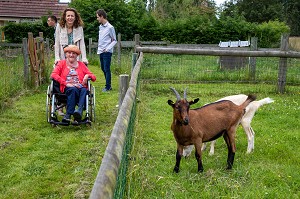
{"points": [[283, 54], [106, 179], [34, 52], [218, 52]]}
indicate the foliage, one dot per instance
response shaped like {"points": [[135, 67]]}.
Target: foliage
{"points": [[149, 28], [292, 13], [233, 29], [118, 14], [261, 10], [15, 32], [182, 9], [177, 21], [269, 33]]}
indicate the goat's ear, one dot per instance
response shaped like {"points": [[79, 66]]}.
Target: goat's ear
{"points": [[194, 101], [171, 103]]}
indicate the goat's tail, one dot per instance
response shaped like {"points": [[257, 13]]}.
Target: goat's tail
{"points": [[249, 99], [264, 101]]}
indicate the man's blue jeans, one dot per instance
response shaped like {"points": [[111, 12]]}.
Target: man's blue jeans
{"points": [[75, 96], [105, 60]]}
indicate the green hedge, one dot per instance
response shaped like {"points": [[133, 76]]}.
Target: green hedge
{"points": [[15, 32], [193, 30]]}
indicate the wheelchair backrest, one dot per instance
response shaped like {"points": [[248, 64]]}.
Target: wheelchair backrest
{"points": [[56, 87]]}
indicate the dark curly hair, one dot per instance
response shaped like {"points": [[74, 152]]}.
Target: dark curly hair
{"points": [[78, 21]]}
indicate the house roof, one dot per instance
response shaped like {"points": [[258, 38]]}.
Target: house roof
{"points": [[31, 8]]}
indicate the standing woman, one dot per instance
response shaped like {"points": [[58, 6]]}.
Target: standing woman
{"points": [[69, 31]]}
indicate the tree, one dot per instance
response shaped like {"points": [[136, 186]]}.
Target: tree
{"points": [[181, 9], [118, 13], [261, 10], [292, 13]]}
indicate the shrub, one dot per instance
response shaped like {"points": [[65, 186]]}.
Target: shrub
{"points": [[22, 30]]}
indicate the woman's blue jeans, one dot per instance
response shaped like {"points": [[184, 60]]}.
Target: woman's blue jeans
{"points": [[75, 96], [105, 60]]}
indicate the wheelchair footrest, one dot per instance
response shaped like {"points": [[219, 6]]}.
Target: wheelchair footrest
{"points": [[74, 123]]}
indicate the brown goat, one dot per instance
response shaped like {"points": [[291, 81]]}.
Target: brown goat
{"points": [[205, 124]]}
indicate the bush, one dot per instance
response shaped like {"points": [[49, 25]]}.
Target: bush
{"points": [[22, 29], [269, 34]]}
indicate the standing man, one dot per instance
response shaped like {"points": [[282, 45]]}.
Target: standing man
{"points": [[52, 21], [107, 40]]}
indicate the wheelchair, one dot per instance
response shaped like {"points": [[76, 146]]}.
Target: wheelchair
{"points": [[56, 100]]}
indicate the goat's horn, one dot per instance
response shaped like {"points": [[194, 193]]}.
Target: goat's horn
{"points": [[176, 93], [184, 95]]}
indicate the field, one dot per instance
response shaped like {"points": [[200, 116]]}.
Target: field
{"points": [[269, 172], [38, 161]]}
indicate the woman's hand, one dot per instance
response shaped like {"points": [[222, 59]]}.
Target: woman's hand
{"points": [[85, 79], [69, 85]]}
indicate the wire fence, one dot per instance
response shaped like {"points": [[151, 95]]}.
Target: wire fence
{"points": [[197, 69]]}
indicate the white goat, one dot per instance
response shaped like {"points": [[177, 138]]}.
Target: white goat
{"points": [[245, 122]]}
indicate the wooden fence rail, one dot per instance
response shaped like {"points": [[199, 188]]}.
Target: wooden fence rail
{"points": [[106, 179], [283, 54], [35, 57]]}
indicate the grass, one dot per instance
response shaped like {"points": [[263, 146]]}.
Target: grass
{"points": [[11, 69], [39, 161], [269, 172]]}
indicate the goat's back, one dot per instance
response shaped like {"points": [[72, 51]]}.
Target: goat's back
{"points": [[215, 118]]}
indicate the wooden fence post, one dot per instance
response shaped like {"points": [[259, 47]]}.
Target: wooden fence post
{"points": [[48, 50], [32, 57], [42, 58], [119, 49], [90, 46], [26, 62], [136, 41], [283, 64], [253, 47], [123, 86], [134, 59]]}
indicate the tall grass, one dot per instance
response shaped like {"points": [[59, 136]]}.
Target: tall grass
{"points": [[12, 82]]}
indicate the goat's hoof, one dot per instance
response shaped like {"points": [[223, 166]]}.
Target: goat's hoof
{"points": [[176, 170], [200, 170]]}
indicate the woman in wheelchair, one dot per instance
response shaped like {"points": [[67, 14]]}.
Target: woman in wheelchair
{"points": [[72, 75]]}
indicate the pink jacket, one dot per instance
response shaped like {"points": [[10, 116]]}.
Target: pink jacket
{"points": [[61, 71]]}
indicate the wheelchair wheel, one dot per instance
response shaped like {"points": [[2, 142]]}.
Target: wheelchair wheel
{"points": [[92, 104]]}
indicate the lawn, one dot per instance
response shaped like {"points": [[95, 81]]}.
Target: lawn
{"points": [[39, 161], [271, 171]]}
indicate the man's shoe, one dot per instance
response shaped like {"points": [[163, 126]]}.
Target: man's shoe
{"points": [[106, 89], [66, 118]]}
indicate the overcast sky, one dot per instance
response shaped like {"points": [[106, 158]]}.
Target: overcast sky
{"points": [[218, 2]]}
